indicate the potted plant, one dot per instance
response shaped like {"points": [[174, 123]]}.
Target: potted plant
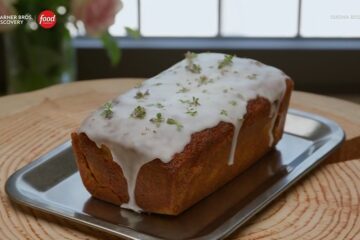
{"points": [[38, 38]]}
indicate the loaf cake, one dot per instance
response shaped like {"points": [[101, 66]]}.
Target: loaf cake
{"points": [[179, 136]]}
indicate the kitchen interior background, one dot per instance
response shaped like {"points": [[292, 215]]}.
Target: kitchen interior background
{"points": [[317, 42]]}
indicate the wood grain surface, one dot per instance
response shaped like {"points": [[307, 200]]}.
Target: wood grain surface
{"points": [[324, 205]]}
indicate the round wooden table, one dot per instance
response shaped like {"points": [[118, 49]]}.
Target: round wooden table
{"points": [[324, 205]]}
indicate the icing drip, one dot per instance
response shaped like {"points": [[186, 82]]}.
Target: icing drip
{"points": [[234, 143], [157, 119], [130, 162]]}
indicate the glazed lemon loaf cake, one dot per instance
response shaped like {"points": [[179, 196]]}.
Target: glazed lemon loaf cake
{"points": [[171, 141]]}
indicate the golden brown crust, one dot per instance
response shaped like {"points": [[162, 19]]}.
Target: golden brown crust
{"points": [[200, 169]]}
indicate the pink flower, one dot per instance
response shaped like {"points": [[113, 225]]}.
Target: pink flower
{"points": [[97, 15], [6, 9]]}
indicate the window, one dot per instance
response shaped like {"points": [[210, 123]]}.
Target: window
{"points": [[269, 18], [240, 18], [175, 18], [330, 18], [127, 17]]}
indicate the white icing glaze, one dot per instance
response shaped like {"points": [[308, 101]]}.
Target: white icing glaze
{"points": [[223, 95]]}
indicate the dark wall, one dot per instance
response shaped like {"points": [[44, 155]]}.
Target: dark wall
{"points": [[314, 71], [2, 67], [320, 71]]}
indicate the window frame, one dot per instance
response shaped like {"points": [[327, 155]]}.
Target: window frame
{"points": [[220, 23], [228, 43]]}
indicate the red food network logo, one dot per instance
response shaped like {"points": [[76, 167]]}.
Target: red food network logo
{"points": [[47, 19]]}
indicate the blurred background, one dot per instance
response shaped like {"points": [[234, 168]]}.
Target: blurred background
{"points": [[316, 42]]}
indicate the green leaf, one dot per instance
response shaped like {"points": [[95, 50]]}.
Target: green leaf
{"points": [[107, 110], [111, 46], [134, 33]]}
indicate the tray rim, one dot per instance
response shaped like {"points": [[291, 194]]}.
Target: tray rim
{"points": [[228, 227]]}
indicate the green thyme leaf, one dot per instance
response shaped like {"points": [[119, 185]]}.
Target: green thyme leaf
{"points": [[233, 103], [192, 103], [140, 95], [185, 101], [159, 105], [157, 120], [107, 110], [192, 112], [203, 80], [139, 112], [190, 55], [195, 101], [194, 68], [223, 112], [172, 121], [183, 90], [252, 76], [227, 61], [191, 66]]}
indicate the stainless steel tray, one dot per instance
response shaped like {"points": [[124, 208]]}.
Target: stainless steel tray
{"points": [[52, 184]]}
